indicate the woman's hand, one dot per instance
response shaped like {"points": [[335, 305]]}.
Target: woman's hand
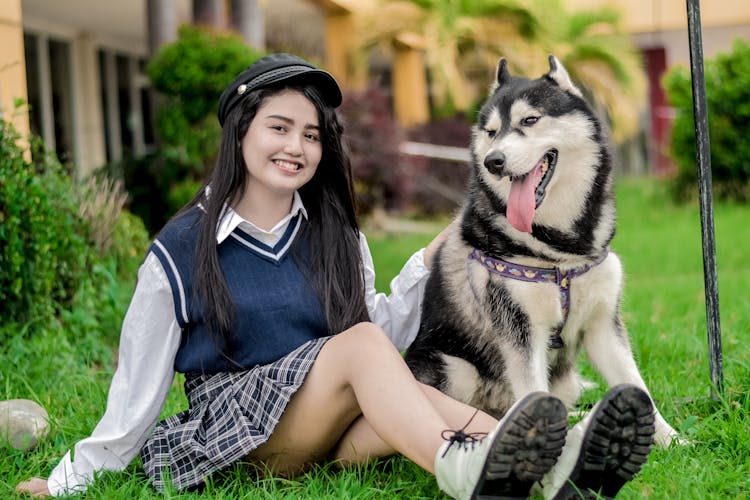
{"points": [[36, 487], [431, 249]]}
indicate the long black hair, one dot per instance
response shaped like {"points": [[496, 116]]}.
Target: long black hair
{"points": [[332, 259]]}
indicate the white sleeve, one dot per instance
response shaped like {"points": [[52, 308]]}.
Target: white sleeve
{"points": [[398, 313], [149, 341]]}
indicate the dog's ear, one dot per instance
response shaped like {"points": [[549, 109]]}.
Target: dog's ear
{"points": [[503, 75], [559, 75]]}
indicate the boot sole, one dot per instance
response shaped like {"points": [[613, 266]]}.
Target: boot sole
{"points": [[615, 446], [526, 447]]}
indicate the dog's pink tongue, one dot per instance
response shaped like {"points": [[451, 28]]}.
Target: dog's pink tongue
{"points": [[522, 200]]}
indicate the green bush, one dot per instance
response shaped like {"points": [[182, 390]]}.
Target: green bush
{"points": [[130, 240], [63, 246], [196, 68], [119, 237], [43, 252], [728, 105]]}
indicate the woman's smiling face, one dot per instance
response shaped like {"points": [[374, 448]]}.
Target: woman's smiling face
{"points": [[282, 146]]}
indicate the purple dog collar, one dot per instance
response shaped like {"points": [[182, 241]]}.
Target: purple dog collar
{"points": [[540, 275]]}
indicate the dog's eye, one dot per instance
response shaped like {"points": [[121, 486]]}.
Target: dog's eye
{"points": [[529, 121], [491, 133]]}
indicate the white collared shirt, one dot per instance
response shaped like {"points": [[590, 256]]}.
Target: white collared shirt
{"points": [[150, 338], [232, 220]]}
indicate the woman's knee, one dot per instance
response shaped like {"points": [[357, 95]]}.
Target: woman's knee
{"points": [[368, 336], [361, 340]]}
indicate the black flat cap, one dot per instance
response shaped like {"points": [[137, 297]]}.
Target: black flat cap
{"points": [[273, 69]]}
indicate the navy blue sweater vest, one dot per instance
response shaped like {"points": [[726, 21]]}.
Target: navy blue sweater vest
{"points": [[276, 310]]}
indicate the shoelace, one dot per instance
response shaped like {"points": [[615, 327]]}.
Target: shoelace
{"points": [[464, 439]]}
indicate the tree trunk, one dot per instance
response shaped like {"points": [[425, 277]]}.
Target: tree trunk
{"points": [[209, 13], [161, 17], [248, 18], [162, 23]]}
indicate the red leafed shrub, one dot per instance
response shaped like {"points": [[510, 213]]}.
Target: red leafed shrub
{"points": [[381, 176], [441, 183]]}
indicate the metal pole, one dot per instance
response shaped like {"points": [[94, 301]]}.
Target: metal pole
{"points": [[703, 156]]}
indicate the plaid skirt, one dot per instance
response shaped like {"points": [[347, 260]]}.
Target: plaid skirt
{"points": [[230, 414]]}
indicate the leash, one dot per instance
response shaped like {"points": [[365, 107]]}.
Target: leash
{"points": [[533, 274]]}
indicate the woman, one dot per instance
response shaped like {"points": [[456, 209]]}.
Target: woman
{"points": [[261, 291]]}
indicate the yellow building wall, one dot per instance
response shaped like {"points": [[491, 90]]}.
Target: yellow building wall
{"points": [[646, 16], [409, 86], [339, 28], [12, 66], [409, 81], [338, 31]]}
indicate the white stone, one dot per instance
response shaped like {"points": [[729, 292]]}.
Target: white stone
{"points": [[23, 423]]}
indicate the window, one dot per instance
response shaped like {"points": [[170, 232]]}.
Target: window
{"points": [[49, 90], [62, 117], [33, 91], [126, 105], [62, 102]]}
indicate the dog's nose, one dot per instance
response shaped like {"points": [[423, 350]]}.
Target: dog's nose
{"points": [[495, 161]]}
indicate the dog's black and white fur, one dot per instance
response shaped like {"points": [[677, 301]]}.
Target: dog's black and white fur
{"points": [[540, 194]]}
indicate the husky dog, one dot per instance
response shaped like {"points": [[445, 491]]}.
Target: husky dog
{"points": [[525, 277]]}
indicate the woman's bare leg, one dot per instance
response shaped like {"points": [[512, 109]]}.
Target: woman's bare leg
{"points": [[361, 443], [357, 372]]}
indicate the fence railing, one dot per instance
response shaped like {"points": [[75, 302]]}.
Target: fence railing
{"points": [[450, 153]]}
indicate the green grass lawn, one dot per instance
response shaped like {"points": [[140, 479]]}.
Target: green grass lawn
{"points": [[664, 310]]}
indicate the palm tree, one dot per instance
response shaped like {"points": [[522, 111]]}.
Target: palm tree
{"points": [[603, 60], [463, 40], [447, 29]]}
